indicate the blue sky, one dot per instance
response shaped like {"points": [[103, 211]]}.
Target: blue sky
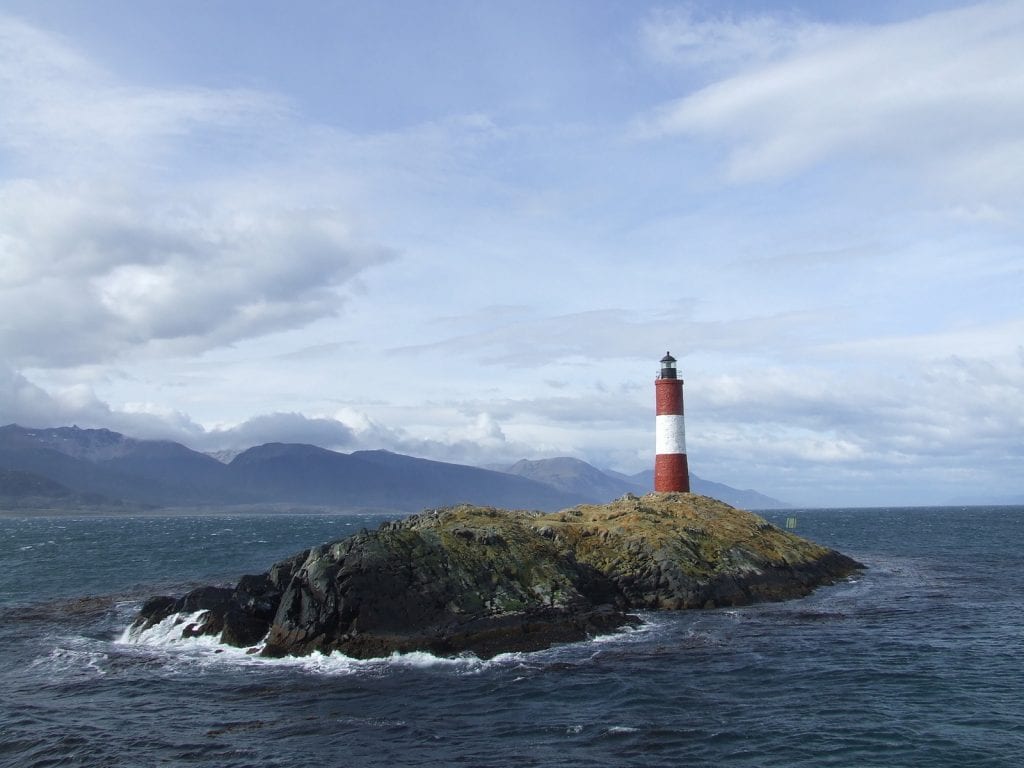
{"points": [[468, 231]]}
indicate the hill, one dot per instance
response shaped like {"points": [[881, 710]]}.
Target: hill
{"points": [[29, 491]]}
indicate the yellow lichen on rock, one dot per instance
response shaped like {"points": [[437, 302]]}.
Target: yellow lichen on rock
{"points": [[695, 531]]}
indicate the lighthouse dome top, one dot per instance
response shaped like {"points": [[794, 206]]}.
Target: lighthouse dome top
{"points": [[668, 358]]}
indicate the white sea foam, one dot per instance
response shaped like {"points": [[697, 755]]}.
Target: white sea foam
{"points": [[65, 662], [167, 636], [339, 664], [374, 722], [167, 632], [627, 632]]}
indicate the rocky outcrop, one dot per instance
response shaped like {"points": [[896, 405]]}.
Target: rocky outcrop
{"points": [[490, 581]]}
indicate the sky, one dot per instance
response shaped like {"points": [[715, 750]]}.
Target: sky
{"points": [[468, 231]]}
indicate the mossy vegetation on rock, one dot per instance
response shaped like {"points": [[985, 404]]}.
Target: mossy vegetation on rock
{"points": [[679, 550], [486, 580]]}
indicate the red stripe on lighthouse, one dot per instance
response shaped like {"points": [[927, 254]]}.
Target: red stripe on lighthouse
{"points": [[671, 473], [669, 396]]}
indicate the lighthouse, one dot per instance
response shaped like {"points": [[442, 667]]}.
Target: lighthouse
{"points": [[671, 472]]}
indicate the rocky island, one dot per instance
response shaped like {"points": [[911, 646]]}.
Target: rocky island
{"points": [[490, 581]]}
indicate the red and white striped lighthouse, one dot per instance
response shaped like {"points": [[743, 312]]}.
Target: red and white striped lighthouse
{"points": [[671, 472]]}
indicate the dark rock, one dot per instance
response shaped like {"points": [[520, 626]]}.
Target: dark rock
{"points": [[241, 615], [490, 581]]}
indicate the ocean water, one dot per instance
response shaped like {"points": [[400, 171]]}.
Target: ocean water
{"points": [[919, 661]]}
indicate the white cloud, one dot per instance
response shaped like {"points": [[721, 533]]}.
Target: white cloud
{"points": [[91, 278], [944, 91], [898, 427], [24, 402], [517, 337], [989, 339], [280, 428], [680, 37], [62, 113], [106, 251], [476, 437]]}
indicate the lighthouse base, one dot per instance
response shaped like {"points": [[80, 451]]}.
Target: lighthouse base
{"points": [[671, 473]]}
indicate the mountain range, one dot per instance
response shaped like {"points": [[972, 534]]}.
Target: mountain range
{"points": [[68, 468]]}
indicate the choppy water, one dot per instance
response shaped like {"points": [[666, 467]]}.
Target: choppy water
{"points": [[919, 662]]}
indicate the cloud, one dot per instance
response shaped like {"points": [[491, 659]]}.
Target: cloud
{"points": [[680, 37], [281, 428], [62, 113], [475, 437], [108, 250], [910, 429], [944, 92], [87, 279], [979, 338], [954, 407], [24, 402], [519, 337]]}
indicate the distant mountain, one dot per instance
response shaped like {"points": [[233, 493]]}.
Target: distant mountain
{"points": [[107, 463], [445, 483], [26, 490], [744, 499], [380, 479], [986, 501], [79, 465], [157, 472], [578, 477]]}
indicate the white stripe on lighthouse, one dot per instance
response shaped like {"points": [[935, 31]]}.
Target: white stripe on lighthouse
{"points": [[670, 434]]}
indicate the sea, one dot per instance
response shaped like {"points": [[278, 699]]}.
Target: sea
{"points": [[917, 661]]}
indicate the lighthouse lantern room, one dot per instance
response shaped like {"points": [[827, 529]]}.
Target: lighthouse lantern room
{"points": [[671, 472]]}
